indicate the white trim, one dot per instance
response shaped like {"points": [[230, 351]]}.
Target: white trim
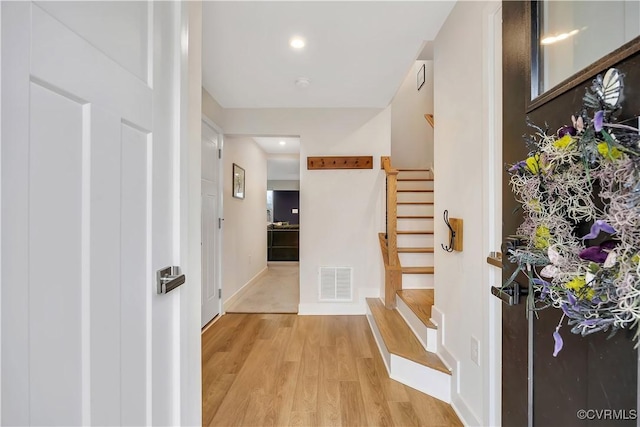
{"points": [[1, 219], [491, 349], [422, 378], [243, 290], [463, 411], [189, 104], [386, 357], [428, 337]]}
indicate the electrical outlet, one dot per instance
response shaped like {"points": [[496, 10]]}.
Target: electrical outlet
{"points": [[475, 351]]}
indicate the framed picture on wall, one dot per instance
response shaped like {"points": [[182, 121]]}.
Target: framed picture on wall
{"points": [[238, 182], [421, 76]]}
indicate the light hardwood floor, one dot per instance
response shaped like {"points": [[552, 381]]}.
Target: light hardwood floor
{"points": [[289, 370]]}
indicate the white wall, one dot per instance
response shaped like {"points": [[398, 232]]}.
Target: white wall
{"points": [[283, 185], [212, 109], [411, 134], [244, 253], [461, 288], [341, 210]]}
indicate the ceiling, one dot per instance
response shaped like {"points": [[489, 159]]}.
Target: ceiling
{"points": [[357, 53], [271, 145]]}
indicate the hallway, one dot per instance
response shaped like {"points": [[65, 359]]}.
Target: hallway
{"points": [[278, 291], [288, 370]]}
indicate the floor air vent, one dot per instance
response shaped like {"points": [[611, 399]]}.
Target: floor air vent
{"points": [[335, 284]]}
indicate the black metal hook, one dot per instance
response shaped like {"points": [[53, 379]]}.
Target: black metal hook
{"points": [[452, 233]]}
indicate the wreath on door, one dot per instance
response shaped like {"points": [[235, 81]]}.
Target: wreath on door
{"points": [[585, 176]]}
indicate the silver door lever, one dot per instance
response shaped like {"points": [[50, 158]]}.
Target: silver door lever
{"points": [[169, 278]]}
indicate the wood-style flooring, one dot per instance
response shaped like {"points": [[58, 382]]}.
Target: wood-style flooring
{"points": [[289, 370]]}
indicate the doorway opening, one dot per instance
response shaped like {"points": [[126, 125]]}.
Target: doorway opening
{"points": [[263, 276]]}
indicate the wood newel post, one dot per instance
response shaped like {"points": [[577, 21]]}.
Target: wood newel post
{"points": [[392, 217]]}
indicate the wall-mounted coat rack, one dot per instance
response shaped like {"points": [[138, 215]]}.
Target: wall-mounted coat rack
{"points": [[340, 162], [455, 233]]}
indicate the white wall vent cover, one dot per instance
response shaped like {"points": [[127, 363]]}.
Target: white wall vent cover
{"points": [[336, 284]]}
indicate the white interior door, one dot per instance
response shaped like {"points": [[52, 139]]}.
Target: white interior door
{"points": [[89, 115], [210, 223]]}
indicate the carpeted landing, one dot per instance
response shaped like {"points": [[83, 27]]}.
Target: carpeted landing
{"points": [[278, 291]]}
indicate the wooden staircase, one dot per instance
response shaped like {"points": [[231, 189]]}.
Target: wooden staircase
{"points": [[402, 325], [415, 227]]}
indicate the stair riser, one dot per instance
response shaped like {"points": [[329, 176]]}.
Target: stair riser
{"points": [[428, 381], [417, 281], [416, 259], [419, 377], [415, 185], [428, 337], [415, 240], [412, 224], [415, 210], [415, 197], [415, 175]]}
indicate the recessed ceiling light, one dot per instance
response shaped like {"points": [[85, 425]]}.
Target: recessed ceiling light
{"points": [[303, 82], [283, 142], [297, 43]]}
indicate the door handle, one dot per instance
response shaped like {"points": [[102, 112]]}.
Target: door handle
{"points": [[495, 259], [169, 278], [511, 294]]}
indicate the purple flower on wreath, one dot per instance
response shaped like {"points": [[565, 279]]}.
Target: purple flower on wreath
{"points": [[567, 130], [597, 227], [518, 166], [545, 287], [598, 253], [598, 120], [557, 342]]}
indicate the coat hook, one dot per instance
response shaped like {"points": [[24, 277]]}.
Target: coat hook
{"points": [[452, 233]]}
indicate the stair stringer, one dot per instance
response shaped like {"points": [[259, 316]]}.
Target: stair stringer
{"points": [[428, 337], [422, 378]]}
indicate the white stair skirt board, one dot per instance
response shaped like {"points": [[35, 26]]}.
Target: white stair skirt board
{"points": [[415, 210], [415, 185], [415, 197], [408, 259], [417, 281], [422, 378], [415, 240], [410, 224], [428, 337]]}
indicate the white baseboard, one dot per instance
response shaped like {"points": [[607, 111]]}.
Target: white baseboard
{"points": [[243, 290], [463, 411], [459, 405]]}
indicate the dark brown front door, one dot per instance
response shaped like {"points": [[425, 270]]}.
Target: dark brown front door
{"points": [[592, 373]]}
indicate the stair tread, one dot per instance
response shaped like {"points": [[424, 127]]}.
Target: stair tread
{"points": [[414, 232], [415, 217], [399, 339], [420, 301], [418, 270], [416, 250], [414, 203], [413, 170], [415, 191], [415, 179]]}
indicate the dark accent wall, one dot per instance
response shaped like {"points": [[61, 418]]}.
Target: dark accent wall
{"points": [[283, 203]]}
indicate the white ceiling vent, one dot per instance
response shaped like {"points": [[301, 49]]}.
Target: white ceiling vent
{"points": [[336, 284]]}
